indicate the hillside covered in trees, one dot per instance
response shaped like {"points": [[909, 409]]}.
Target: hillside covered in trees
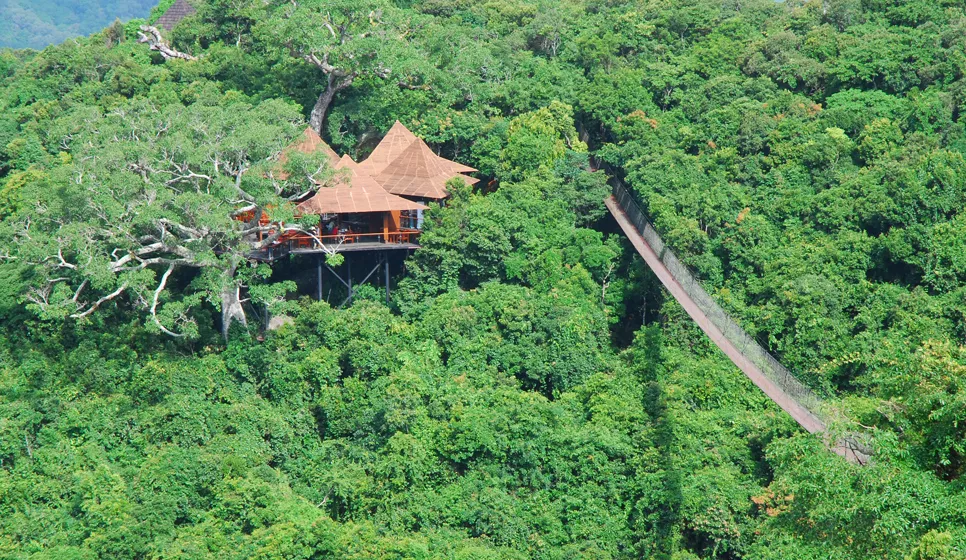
{"points": [[530, 391], [38, 23]]}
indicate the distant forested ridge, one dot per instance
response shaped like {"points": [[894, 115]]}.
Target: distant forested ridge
{"points": [[38, 23], [529, 392]]}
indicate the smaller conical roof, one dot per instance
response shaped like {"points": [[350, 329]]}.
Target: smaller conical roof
{"points": [[173, 15], [418, 172], [346, 171], [308, 143], [393, 143], [346, 162]]}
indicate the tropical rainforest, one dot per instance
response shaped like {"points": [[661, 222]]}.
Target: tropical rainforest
{"points": [[530, 391]]}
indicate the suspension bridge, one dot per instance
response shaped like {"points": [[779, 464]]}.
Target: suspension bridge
{"points": [[767, 373]]}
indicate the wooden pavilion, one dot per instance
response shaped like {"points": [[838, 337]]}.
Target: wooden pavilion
{"points": [[373, 205], [355, 214], [372, 209], [359, 211]]}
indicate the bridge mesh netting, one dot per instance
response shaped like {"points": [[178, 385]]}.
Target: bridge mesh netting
{"points": [[747, 346]]}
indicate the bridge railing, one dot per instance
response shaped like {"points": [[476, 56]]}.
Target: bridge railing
{"points": [[730, 329]]}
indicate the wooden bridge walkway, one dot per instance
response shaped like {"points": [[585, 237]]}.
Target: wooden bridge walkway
{"points": [[764, 371]]}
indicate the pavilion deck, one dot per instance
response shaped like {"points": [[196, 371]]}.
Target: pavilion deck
{"points": [[342, 243]]}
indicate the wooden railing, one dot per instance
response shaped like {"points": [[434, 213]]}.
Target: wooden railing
{"points": [[391, 237], [304, 241], [774, 379]]}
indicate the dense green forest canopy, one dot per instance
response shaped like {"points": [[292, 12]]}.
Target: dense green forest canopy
{"points": [[529, 392]]}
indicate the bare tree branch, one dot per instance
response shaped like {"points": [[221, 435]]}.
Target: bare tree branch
{"points": [[79, 290], [154, 303], [150, 35], [101, 301]]}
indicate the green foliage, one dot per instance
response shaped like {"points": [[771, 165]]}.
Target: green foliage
{"points": [[805, 158], [935, 545], [176, 180], [540, 138]]}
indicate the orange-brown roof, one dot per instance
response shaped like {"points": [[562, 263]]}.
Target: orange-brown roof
{"points": [[356, 194], [393, 143], [418, 172], [346, 162], [309, 143], [457, 167]]}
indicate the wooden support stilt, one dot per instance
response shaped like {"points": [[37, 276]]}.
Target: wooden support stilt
{"points": [[320, 278], [337, 276], [347, 281], [386, 261]]}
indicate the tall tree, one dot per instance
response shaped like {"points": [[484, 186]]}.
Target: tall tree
{"points": [[346, 40], [149, 190]]}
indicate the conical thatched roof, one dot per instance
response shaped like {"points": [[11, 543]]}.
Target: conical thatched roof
{"points": [[396, 140], [393, 143], [420, 173], [405, 165], [360, 193], [309, 143], [346, 162], [173, 15]]}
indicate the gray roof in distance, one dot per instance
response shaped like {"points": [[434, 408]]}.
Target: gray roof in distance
{"points": [[173, 15]]}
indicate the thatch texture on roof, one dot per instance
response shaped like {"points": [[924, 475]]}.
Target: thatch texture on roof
{"points": [[309, 143], [419, 173], [357, 194], [346, 162], [392, 144], [173, 15], [405, 165], [457, 167]]}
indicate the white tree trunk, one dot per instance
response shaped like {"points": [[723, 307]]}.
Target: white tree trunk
{"points": [[231, 309]]}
